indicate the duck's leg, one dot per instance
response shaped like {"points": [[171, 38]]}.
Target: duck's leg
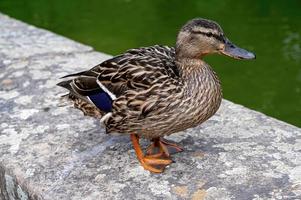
{"points": [[149, 162], [154, 148], [170, 147], [164, 147]]}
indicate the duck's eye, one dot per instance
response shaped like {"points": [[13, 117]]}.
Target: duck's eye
{"points": [[209, 34]]}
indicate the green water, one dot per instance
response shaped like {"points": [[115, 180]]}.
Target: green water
{"points": [[271, 28]]}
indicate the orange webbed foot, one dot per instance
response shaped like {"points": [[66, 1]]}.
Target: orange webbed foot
{"points": [[162, 147], [155, 163]]}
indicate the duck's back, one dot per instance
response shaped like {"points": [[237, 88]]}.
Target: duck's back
{"points": [[137, 69]]}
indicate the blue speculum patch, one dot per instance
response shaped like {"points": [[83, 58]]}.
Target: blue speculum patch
{"points": [[102, 101]]}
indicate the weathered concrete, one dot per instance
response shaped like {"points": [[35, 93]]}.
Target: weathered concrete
{"points": [[51, 151]]}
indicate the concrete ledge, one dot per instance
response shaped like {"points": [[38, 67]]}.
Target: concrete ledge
{"points": [[49, 150]]}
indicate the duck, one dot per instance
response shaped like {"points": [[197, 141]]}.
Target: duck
{"points": [[152, 92]]}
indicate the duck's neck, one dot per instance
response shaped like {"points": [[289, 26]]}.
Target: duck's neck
{"points": [[197, 75], [193, 68]]}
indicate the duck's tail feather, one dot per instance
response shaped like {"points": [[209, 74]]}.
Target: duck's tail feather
{"points": [[65, 84], [88, 90]]}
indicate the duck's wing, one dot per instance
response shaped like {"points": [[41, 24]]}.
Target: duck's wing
{"points": [[137, 69]]}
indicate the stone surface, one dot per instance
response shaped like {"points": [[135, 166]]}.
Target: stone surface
{"points": [[48, 150]]}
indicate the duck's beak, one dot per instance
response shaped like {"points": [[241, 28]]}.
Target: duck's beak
{"points": [[234, 51]]}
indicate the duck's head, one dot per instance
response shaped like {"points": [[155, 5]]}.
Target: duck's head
{"points": [[200, 37]]}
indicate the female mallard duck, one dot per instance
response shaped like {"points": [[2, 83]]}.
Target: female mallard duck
{"points": [[155, 91]]}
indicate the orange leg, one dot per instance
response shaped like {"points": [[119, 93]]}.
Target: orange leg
{"points": [[154, 148], [148, 161], [165, 148]]}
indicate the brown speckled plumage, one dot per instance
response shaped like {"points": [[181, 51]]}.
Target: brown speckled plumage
{"points": [[157, 90], [155, 95]]}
